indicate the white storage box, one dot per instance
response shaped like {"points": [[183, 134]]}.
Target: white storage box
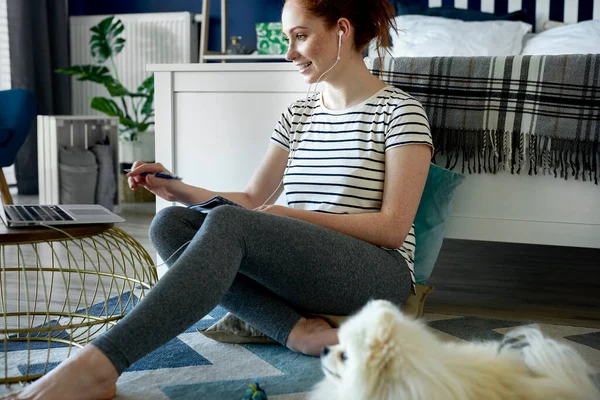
{"points": [[80, 131]]}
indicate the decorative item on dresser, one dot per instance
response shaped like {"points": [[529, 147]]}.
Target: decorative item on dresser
{"points": [[225, 54]]}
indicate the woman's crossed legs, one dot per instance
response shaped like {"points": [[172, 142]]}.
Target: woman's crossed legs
{"points": [[266, 269]]}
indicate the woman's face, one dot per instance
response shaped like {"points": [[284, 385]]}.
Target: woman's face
{"points": [[312, 46]]}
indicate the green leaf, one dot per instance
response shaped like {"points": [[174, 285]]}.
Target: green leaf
{"points": [[147, 86], [142, 127], [148, 107], [105, 42], [94, 73], [115, 88], [98, 74], [110, 108], [147, 89]]}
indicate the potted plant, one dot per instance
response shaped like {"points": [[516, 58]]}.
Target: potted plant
{"points": [[134, 109]]}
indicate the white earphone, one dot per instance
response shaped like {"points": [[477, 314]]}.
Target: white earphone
{"points": [[340, 34]]}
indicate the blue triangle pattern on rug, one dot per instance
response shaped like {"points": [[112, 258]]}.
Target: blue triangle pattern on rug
{"points": [[174, 354], [97, 310], [300, 374], [589, 339], [177, 354], [113, 305], [38, 344], [35, 369], [474, 328]]}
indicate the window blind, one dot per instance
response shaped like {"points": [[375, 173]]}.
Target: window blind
{"points": [[4, 48]]}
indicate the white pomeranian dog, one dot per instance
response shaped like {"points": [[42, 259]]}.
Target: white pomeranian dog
{"points": [[384, 355]]}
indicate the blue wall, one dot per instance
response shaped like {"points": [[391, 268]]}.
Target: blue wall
{"points": [[242, 14]]}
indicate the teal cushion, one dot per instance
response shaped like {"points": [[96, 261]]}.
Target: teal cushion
{"points": [[430, 221]]}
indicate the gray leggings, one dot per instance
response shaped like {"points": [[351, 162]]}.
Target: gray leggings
{"points": [[266, 269]]}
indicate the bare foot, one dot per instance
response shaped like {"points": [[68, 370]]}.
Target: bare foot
{"points": [[310, 335], [89, 375]]}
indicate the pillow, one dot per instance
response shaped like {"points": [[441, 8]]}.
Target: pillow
{"points": [[580, 38], [552, 24], [432, 214], [231, 329], [403, 8], [423, 36]]}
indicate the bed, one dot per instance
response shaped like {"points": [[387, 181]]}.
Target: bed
{"points": [[538, 186]]}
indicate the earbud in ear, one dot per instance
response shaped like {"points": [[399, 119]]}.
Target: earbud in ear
{"points": [[340, 34]]}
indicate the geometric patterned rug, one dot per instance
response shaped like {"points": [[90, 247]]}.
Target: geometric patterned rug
{"points": [[192, 366]]}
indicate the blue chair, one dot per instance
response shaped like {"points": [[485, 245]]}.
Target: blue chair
{"points": [[17, 111]]}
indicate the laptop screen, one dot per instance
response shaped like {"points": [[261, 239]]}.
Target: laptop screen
{"points": [[3, 212]]}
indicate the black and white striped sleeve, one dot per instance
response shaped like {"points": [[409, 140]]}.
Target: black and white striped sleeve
{"points": [[281, 133], [408, 124]]}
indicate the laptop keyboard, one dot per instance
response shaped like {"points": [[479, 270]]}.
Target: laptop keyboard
{"points": [[41, 213]]}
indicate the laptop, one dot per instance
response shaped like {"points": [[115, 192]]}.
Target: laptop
{"points": [[17, 216]]}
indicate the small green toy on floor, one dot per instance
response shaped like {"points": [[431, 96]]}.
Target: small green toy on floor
{"points": [[255, 392]]}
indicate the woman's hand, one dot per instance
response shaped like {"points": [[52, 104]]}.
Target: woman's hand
{"points": [[275, 209], [159, 186]]}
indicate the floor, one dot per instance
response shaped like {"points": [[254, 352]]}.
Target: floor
{"points": [[545, 283], [542, 283]]}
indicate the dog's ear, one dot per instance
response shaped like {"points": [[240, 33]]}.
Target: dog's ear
{"points": [[381, 340]]}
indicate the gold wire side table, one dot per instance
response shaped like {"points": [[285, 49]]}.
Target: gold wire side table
{"points": [[59, 292]]}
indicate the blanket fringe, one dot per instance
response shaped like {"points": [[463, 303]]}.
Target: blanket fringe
{"points": [[492, 151]]}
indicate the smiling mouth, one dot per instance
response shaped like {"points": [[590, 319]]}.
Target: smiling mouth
{"points": [[305, 65], [330, 372]]}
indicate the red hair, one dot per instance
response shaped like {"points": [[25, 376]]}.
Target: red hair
{"points": [[371, 19]]}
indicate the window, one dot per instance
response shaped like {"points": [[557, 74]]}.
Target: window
{"points": [[4, 48], [5, 72]]}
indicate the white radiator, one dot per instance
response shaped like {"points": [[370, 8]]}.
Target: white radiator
{"points": [[150, 38]]}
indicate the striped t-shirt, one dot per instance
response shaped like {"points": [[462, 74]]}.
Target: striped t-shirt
{"points": [[337, 158]]}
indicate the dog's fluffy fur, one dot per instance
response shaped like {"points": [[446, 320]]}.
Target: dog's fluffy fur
{"points": [[384, 355]]}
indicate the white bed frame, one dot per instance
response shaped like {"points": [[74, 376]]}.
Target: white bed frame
{"points": [[214, 121]]}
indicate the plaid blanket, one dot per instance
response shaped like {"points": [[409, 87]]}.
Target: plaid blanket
{"points": [[539, 114]]}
